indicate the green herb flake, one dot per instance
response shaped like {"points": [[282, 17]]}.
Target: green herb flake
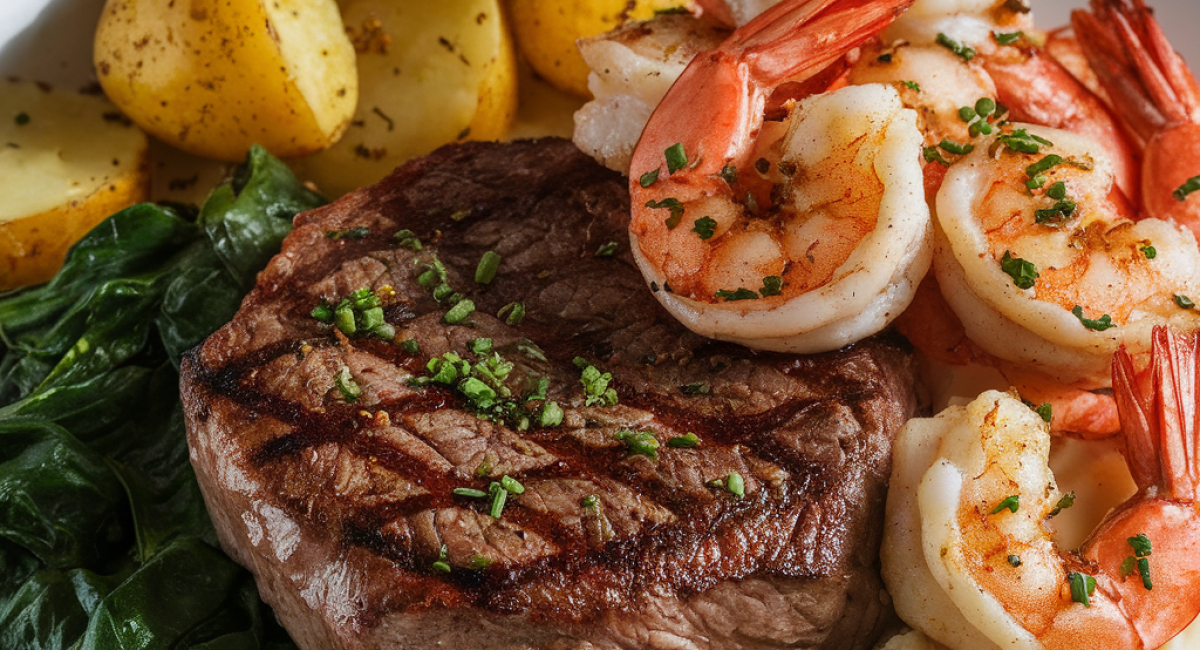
{"points": [[686, 441], [407, 239], [706, 227], [676, 157], [1065, 501], [323, 313], [550, 415], [931, 154], [1141, 545], [736, 485], [346, 385], [590, 501], [499, 498], [1022, 141], [1149, 251], [1044, 411], [350, 233], [639, 443], [671, 204], [729, 174], [1023, 272], [480, 346], [596, 388], [648, 179], [512, 485], [1128, 566], [1057, 215], [985, 106], [1082, 587], [964, 52], [1014, 561], [485, 271], [343, 318], [1010, 503], [1183, 301], [459, 312], [411, 346], [512, 313], [470, 493], [967, 114], [1181, 193], [772, 286], [1099, 325], [695, 389], [1008, 38], [442, 565], [912, 85], [607, 249], [956, 148], [480, 562], [1141, 551], [1057, 191], [739, 294], [1036, 182]]}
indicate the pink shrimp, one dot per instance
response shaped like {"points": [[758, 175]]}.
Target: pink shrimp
{"points": [[802, 235], [1156, 96], [968, 556]]}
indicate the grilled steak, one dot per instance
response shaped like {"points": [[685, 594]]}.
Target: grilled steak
{"points": [[358, 468]]}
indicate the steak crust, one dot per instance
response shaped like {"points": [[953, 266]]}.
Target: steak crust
{"points": [[343, 507]]}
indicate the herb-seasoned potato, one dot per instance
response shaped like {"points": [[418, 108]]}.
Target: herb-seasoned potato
{"points": [[546, 31], [67, 161], [429, 73], [213, 77]]}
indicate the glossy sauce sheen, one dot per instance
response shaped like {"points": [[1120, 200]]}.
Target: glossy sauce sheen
{"points": [[811, 436]]}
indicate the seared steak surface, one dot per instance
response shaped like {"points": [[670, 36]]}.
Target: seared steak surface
{"points": [[329, 461]]}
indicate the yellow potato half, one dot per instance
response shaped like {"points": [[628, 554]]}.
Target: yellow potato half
{"points": [[67, 161], [546, 31], [213, 77], [429, 73]]}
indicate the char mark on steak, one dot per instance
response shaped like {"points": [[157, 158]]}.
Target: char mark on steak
{"points": [[358, 477]]}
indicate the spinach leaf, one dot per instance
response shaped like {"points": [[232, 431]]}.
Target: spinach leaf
{"points": [[104, 539]]}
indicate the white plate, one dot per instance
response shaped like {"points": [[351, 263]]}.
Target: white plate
{"points": [[51, 40]]}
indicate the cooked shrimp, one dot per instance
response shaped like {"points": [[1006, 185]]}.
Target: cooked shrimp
{"points": [[1155, 95], [800, 236], [1043, 269], [968, 556]]}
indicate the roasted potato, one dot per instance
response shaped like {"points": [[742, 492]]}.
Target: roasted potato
{"points": [[67, 162], [429, 73], [546, 31], [213, 77]]}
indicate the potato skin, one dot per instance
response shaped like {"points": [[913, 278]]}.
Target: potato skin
{"points": [[210, 76]]}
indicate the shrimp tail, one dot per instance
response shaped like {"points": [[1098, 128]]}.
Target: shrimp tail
{"points": [[1148, 82], [1159, 415]]}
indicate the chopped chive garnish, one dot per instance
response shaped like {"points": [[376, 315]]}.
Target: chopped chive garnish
{"points": [[671, 204], [978, 127], [1057, 215], [480, 346], [1008, 38], [729, 174], [676, 157], [706, 227], [551, 415], [1183, 301], [966, 113], [1023, 272], [499, 497], [1035, 182], [480, 562], [736, 485], [1142, 550], [912, 85], [1057, 191], [485, 271], [1149, 251], [961, 50], [442, 565], [345, 383], [685, 441], [985, 106], [1065, 501], [470, 493], [1014, 560], [956, 148], [1022, 141], [695, 389], [1010, 503], [1181, 193], [408, 239], [459, 312], [1082, 587], [512, 485], [639, 443], [512, 313], [595, 385], [772, 286], [607, 249], [411, 346], [1048, 161], [740, 294], [1044, 410], [1099, 325], [590, 501], [648, 179], [323, 313], [343, 317], [932, 154]]}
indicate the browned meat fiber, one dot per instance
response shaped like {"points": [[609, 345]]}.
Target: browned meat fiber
{"points": [[358, 468]]}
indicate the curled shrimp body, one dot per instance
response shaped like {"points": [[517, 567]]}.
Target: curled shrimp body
{"points": [[803, 235], [1043, 269], [968, 555]]}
